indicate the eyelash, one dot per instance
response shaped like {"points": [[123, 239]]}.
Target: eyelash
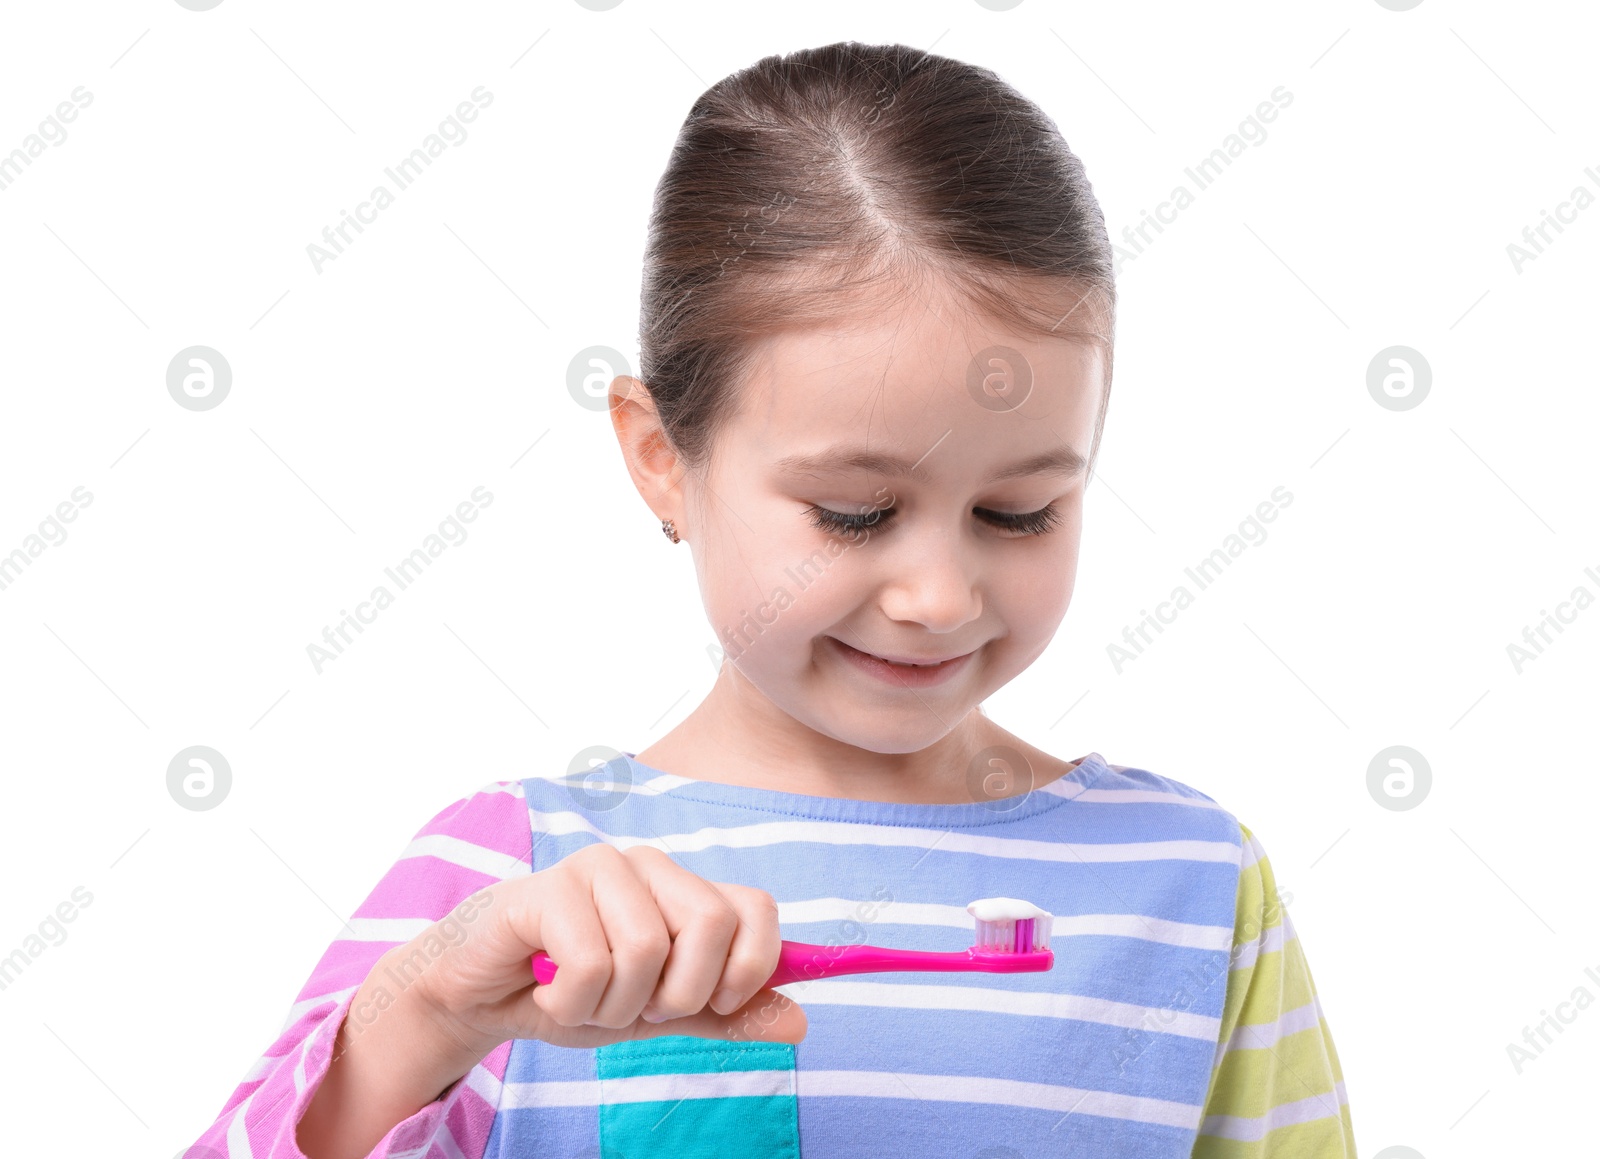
{"points": [[1038, 522]]}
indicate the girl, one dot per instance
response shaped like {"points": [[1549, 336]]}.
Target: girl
{"points": [[875, 362]]}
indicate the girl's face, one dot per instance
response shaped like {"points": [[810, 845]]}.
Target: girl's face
{"points": [[814, 545]]}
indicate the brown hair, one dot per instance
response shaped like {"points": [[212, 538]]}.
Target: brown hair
{"points": [[805, 180]]}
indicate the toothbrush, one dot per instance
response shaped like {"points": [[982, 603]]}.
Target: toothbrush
{"points": [[1011, 937]]}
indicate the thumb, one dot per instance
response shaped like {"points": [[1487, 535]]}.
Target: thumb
{"points": [[767, 1017]]}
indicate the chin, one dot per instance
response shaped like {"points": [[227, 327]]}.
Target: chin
{"points": [[875, 735]]}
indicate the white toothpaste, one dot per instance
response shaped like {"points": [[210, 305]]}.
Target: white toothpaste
{"points": [[1004, 909]]}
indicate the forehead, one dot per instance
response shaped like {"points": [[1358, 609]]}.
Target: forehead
{"points": [[918, 380]]}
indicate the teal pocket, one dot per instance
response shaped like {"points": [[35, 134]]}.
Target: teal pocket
{"points": [[698, 1098]]}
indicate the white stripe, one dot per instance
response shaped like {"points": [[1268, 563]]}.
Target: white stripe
{"points": [[853, 1084], [417, 1152], [649, 1088], [1149, 929], [652, 1088], [385, 929], [1250, 852], [1272, 939], [442, 1136], [581, 785], [263, 1066], [665, 783], [577, 1093], [300, 1009], [328, 1028], [483, 1083], [1063, 787], [850, 833], [238, 1139], [1265, 1035], [445, 1139], [465, 854], [1307, 1110], [838, 992], [1005, 1092], [1143, 797], [511, 788], [868, 912]]}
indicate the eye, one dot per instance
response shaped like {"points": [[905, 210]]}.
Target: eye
{"points": [[1029, 523], [839, 522], [1039, 522]]}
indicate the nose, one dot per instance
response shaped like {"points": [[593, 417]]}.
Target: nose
{"points": [[932, 580]]}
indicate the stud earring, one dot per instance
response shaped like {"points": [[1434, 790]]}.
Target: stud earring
{"points": [[669, 530]]}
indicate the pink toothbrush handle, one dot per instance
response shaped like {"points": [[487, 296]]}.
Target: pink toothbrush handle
{"points": [[800, 961]]}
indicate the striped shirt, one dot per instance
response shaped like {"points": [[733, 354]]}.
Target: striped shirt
{"points": [[1180, 1018]]}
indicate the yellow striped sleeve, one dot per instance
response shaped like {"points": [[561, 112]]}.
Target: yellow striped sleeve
{"points": [[1276, 1088]]}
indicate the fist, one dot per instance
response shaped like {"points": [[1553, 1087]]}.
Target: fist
{"points": [[644, 947]]}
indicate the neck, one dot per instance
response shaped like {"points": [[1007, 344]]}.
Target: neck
{"points": [[737, 736]]}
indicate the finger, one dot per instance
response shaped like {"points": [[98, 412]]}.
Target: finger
{"points": [[703, 926], [569, 931], [574, 932], [753, 955], [767, 1017], [639, 939]]}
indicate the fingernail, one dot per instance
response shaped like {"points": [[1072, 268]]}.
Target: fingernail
{"points": [[726, 1001], [651, 1014]]}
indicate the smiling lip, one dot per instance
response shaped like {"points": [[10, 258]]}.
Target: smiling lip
{"points": [[898, 670]]}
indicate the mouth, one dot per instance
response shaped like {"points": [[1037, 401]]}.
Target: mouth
{"points": [[903, 671]]}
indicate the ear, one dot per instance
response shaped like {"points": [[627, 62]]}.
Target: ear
{"points": [[652, 463]]}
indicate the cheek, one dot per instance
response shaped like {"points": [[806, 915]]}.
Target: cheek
{"points": [[1040, 590], [772, 596], [737, 603]]}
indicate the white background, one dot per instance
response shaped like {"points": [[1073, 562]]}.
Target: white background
{"points": [[369, 399]]}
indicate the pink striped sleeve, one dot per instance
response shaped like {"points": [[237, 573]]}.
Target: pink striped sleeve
{"points": [[473, 843]]}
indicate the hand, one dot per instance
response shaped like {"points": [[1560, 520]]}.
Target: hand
{"points": [[636, 936]]}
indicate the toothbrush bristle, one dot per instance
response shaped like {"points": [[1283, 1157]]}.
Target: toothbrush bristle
{"points": [[1012, 936]]}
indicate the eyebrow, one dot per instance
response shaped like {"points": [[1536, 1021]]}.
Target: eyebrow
{"points": [[1063, 460]]}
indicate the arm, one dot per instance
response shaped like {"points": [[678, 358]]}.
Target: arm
{"points": [[1276, 1087], [363, 1093], [471, 844]]}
